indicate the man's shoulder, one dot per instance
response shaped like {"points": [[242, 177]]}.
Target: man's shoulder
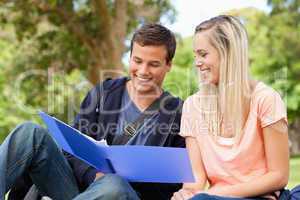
{"points": [[110, 83], [101, 90], [172, 103]]}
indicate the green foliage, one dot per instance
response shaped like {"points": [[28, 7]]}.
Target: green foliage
{"points": [[61, 97], [294, 172], [44, 66], [275, 49], [182, 80], [26, 89], [48, 48], [75, 34], [274, 52], [184, 57]]}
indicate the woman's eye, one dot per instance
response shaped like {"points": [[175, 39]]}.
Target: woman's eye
{"points": [[200, 54], [203, 55]]}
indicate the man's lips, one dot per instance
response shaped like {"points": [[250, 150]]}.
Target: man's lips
{"points": [[143, 79]]}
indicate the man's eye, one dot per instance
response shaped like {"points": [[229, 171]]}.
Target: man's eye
{"points": [[138, 61], [154, 65]]}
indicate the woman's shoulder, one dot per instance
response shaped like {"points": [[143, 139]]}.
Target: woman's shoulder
{"points": [[193, 101], [263, 92], [268, 105]]}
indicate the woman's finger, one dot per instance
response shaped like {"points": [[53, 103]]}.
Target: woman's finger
{"points": [[177, 196], [186, 194]]}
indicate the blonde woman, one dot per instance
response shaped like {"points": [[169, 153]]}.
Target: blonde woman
{"points": [[235, 127]]}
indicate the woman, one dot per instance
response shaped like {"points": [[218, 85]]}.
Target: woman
{"points": [[235, 127]]}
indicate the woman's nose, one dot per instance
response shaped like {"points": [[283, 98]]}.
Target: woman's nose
{"points": [[198, 62]]}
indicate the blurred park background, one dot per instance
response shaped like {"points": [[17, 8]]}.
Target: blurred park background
{"points": [[53, 51]]}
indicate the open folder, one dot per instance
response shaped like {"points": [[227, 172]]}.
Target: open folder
{"points": [[134, 163]]}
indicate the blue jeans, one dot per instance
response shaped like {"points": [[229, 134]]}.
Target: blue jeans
{"points": [[204, 196], [30, 149]]}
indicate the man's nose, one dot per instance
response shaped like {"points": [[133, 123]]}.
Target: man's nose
{"points": [[143, 69]]}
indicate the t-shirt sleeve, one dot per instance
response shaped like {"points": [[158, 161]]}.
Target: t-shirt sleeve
{"points": [[272, 109], [188, 122]]}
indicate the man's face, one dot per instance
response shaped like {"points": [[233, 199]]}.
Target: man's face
{"points": [[148, 67]]}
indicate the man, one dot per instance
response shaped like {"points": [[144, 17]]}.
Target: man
{"points": [[133, 111]]}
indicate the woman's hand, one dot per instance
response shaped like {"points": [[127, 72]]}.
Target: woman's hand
{"points": [[190, 189], [183, 194]]}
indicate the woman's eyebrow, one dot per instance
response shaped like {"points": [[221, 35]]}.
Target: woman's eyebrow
{"points": [[137, 58], [200, 51]]}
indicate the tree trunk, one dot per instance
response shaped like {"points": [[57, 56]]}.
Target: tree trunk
{"points": [[107, 63], [108, 50], [98, 72]]}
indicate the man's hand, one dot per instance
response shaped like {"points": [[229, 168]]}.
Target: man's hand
{"points": [[99, 175], [183, 194]]}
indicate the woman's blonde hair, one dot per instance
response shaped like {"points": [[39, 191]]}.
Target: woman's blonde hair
{"points": [[229, 101]]}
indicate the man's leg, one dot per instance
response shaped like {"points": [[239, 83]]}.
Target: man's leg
{"points": [[109, 187], [20, 188], [30, 149]]}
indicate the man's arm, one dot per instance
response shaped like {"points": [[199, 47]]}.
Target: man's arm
{"points": [[85, 119]]}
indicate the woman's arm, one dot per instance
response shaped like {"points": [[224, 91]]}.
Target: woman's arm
{"points": [[277, 155], [190, 189], [197, 165]]}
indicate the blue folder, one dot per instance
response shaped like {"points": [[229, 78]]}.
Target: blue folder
{"points": [[134, 163]]}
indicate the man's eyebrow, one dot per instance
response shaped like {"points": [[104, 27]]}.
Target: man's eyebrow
{"points": [[155, 62]]}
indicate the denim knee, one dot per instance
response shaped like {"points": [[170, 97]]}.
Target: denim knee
{"points": [[29, 133], [26, 129], [115, 187]]}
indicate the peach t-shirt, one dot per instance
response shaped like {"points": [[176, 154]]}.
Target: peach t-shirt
{"points": [[225, 163]]}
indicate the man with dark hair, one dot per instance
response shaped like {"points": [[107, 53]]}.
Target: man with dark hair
{"points": [[125, 111], [155, 35]]}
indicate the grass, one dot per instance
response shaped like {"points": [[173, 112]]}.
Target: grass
{"points": [[294, 172]]}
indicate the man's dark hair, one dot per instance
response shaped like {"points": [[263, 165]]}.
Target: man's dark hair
{"points": [[156, 35]]}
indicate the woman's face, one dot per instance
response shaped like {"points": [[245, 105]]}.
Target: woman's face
{"points": [[207, 59]]}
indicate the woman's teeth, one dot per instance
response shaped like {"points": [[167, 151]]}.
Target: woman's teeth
{"points": [[205, 70]]}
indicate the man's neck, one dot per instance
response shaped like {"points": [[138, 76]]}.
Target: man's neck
{"points": [[142, 100]]}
